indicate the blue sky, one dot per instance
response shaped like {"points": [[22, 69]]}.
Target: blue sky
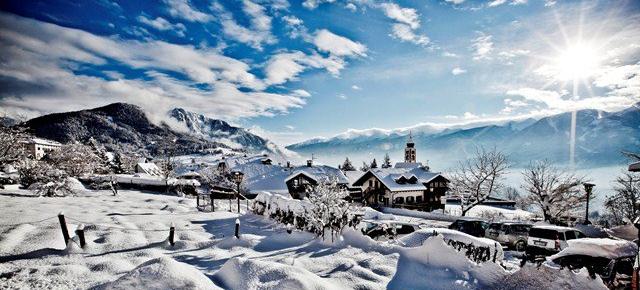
{"points": [[293, 70]]}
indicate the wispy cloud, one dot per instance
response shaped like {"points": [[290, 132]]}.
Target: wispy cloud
{"points": [[162, 24], [184, 10]]}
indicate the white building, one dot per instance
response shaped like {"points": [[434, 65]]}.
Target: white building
{"points": [[38, 148]]}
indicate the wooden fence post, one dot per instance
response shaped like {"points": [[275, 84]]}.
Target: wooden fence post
{"points": [[172, 230], [237, 228], [495, 252], [198, 200], [63, 226], [80, 234], [213, 207]]}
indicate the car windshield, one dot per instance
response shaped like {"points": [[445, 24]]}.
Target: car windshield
{"points": [[543, 233], [495, 226]]}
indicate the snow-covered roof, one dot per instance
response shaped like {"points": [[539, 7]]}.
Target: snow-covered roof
{"points": [[634, 166], [190, 174], [320, 173], [353, 175], [42, 141], [553, 228], [606, 248], [149, 168], [408, 165], [390, 176]]}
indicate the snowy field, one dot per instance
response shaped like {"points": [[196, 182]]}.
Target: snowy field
{"points": [[128, 249]]}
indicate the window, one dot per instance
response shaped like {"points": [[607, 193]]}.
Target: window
{"points": [[410, 199], [418, 199], [571, 235], [399, 200], [381, 198], [370, 183]]}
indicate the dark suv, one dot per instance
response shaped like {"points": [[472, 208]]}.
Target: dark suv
{"points": [[472, 227]]}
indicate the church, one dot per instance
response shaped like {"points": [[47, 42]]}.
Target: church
{"points": [[408, 184]]}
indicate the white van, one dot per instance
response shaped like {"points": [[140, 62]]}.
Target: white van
{"points": [[548, 240]]}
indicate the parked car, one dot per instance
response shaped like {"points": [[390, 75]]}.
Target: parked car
{"points": [[472, 227], [548, 240], [387, 229], [611, 259], [513, 235]]}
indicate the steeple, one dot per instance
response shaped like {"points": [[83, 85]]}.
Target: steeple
{"points": [[410, 150]]}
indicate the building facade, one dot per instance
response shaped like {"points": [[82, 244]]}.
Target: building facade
{"points": [[408, 184], [38, 148]]}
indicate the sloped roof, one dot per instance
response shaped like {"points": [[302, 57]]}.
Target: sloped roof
{"points": [[353, 175], [408, 165], [320, 173], [150, 168], [388, 177], [635, 167]]}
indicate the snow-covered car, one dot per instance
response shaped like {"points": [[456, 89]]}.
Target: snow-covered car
{"points": [[545, 240], [474, 227], [453, 238], [513, 235], [611, 259]]}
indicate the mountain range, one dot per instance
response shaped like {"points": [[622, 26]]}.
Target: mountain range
{"points": [[126, 127], [600, 138]]}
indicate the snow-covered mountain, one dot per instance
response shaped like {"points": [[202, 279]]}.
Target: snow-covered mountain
{"points": [[600, 137], [221, 131], [117, 126]]}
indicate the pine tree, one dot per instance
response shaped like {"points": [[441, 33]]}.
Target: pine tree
{"points": [[104, 165], [347, 166], [374, 164], [365, 167], [387, 161]]}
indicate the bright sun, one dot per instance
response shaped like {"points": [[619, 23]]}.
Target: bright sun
{"points": [[578, 61]]}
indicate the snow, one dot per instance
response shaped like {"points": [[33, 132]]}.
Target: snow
{"points": [[490, 211], [162, 273], [606, 248], [419, 237], [127, 248]]}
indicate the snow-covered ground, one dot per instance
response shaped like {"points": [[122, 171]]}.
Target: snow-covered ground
{"points": [[128, 249]]}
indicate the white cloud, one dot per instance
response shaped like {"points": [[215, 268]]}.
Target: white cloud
{"points": [[405, 33], [259, 19], [337, 45], [449, 54], [301, 93], [183, 9], [556, 102], [351, 6], [295, 27], [482, 46], [162, 24], [356, 87], [286, 66], [313, 4], [407, 16], [455, 1], [38, 74], [256, 36], [290, 127], [342, 96], [407, 21], [495, 3], [458, 71]]}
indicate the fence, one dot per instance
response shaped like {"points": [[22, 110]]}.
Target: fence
{"points": [[84, 225]]}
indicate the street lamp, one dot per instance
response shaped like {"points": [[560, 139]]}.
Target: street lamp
{"points": [[237, 177], [588, 187]]}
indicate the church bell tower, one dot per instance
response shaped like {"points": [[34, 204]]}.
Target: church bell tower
{"points": [[410, 150]]}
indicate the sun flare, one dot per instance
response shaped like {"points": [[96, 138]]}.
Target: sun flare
{"points": [[578, 61]]}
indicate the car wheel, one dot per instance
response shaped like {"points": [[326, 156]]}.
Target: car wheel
{"points": [[520, 246]]}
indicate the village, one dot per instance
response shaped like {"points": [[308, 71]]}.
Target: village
{"points": [[404, 204]]}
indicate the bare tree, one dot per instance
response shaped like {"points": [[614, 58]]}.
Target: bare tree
{"points": [[12, 148], [624, 203], [479, 176], [556, 193], [74, 159], [168, 164]]}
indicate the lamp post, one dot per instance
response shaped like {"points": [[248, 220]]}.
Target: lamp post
{"points": [[237, 177], [588, 187]]}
